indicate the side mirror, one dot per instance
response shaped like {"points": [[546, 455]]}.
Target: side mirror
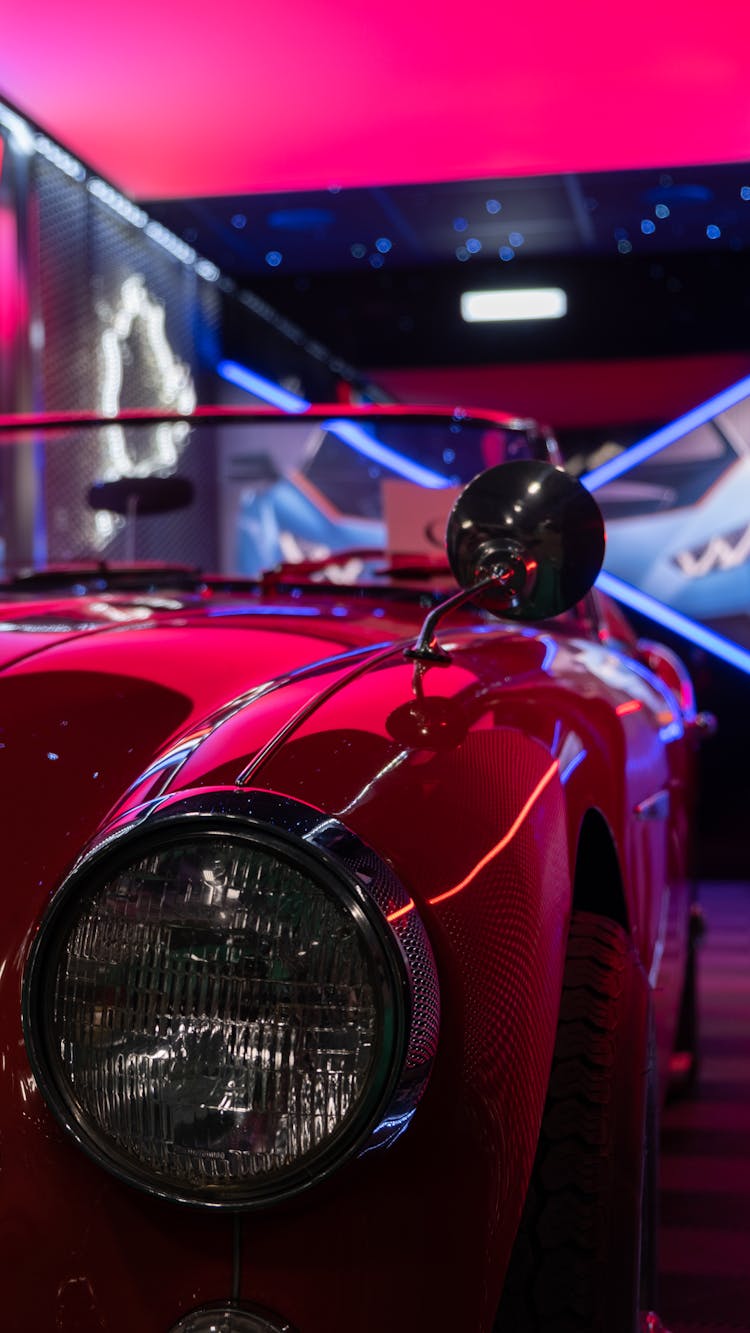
{"points": [[525, 541], [534, 532]]}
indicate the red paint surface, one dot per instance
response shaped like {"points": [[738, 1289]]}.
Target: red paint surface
{"points": [[87, 714], [185, 100]]}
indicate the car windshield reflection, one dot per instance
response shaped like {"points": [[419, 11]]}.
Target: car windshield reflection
{"points": [[247, 492]]}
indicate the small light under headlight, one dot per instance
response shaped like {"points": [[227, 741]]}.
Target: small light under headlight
{"points": [[215, 1018]]}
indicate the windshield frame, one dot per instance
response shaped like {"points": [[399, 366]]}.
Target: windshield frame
{"points": [[219, 414], [24, 549]]}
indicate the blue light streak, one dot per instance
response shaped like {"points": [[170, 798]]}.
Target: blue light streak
{"points": [[637, 453], [252, 382], [351, 433], [674, 621], [550, 651], [217, 612], [571, 767]]}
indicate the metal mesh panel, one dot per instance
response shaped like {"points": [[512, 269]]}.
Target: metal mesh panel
{"points": [[119, 322], [124, 322], [63, 261]]}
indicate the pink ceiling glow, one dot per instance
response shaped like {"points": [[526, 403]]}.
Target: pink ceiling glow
{"points": [[236, 97]]}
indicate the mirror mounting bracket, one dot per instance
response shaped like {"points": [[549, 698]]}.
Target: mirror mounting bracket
{"points": [[426, 648]]}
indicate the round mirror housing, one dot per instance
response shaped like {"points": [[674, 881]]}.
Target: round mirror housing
{"points": [[534, 528]]}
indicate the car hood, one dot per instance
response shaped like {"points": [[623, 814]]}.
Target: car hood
{"points": [[97, 700], [305, 626]]}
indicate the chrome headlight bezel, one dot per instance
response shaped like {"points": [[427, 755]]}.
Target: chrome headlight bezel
{"points": [[402, 969]]}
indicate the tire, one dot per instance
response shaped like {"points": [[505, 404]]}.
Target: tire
{"points": [[576, 1262]]}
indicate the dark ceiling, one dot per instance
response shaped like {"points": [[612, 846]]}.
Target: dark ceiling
{"points": [[410, 226], [654, 262]]}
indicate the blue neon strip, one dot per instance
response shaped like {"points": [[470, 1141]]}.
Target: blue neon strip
{"points": [[698, 416], [675, 621], [347, 431], [252, 382], [263, 610], [573, 765], [355, 435], [550, 651]]}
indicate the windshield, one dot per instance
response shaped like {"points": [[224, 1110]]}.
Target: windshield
{"points": [[260, 489]]}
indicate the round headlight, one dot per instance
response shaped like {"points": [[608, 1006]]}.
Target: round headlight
{"points": [[216, 1014]]}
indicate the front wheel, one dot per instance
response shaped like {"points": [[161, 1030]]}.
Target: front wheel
{"points": [[576, 1262]]}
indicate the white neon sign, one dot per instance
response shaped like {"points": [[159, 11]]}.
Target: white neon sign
{"points": [[139, 318]]}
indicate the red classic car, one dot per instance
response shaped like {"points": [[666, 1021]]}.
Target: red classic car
{"points": [[346, 916]]}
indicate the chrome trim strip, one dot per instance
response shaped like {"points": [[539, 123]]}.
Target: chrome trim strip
{"points": [[378, 654]]}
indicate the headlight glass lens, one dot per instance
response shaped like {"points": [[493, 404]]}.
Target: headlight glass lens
{"points": [[216, 1016]]}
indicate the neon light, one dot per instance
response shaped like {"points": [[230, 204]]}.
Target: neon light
{"points": [[138, 315], [503, 843], [632, 706], [18, 128], [284, 611], [572, 766], [402, 911], [124, 208], [550, 651], [636, 454], [355, 435], [64, 161], [675, 621], [252, 382], [169, 242], [349, 432], [205, 269]]}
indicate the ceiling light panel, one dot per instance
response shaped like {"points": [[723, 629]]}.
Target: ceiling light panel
{"points": [[519, 304]]}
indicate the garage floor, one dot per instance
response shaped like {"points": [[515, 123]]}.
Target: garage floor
{"points": [[705, 1199]]}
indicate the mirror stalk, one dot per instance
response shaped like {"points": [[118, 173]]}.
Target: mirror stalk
{"points": [[426, 648]]}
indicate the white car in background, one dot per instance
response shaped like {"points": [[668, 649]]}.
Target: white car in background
{"points": [[678, 524]]}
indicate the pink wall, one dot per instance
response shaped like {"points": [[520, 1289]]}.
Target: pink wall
{"points": [[575, 393]]}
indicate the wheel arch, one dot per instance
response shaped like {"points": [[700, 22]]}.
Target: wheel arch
{"points": [[597, 880]]}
